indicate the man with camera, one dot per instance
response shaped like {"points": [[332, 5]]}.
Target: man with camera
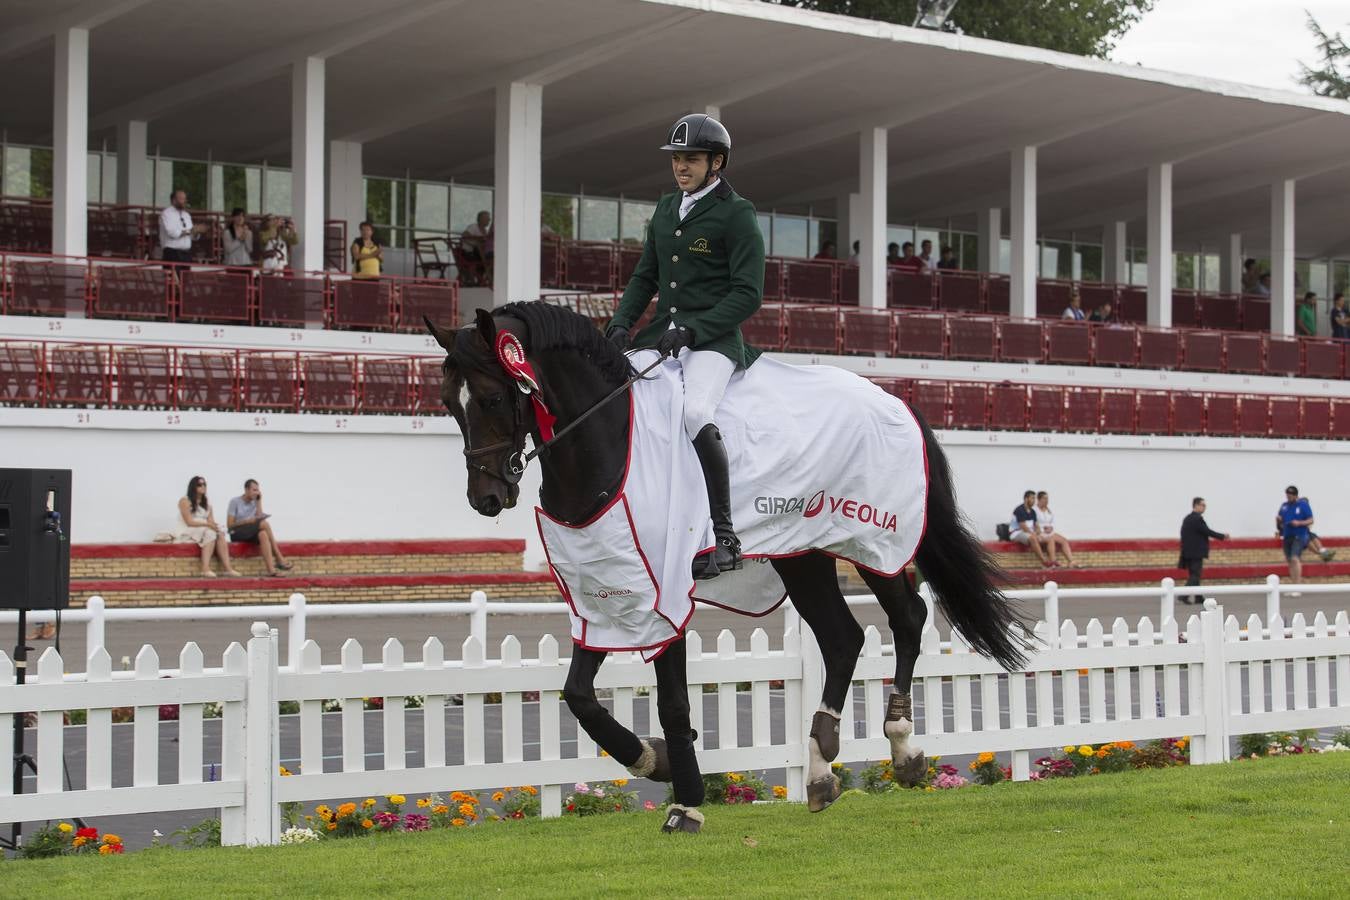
{"points": [[248, 524], [277, 238], [176, 230]]}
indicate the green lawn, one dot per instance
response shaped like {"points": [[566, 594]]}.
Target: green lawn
{"points": [[1277, 827]]}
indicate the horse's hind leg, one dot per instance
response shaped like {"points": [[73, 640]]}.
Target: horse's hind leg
{"points": [[672, 707], [595, 720], [814, 588], [905, 611]]}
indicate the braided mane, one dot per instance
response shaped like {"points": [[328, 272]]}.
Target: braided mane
{"points": [[554, 327]]}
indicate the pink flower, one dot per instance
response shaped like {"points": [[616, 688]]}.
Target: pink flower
{"points": [[647, 804], [599, 792], [582, 786], [415, 822]]}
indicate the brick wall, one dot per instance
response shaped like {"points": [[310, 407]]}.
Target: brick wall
{"points": [[374, 564]]}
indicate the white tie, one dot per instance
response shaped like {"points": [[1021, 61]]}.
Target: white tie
{"points": [[686, 204]]}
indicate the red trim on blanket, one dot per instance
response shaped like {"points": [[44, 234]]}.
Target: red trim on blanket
{"points": [[114, 585], [449, 546]]}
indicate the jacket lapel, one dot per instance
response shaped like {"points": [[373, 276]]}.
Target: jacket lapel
{"points": [[707, 202]]}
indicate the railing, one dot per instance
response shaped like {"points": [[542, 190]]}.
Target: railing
{"points": [[138, 290], [1188, 678]]}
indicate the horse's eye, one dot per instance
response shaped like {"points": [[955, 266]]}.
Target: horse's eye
{"points": [[492, 402]]}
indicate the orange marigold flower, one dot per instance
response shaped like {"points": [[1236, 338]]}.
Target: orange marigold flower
{"points": [[346, 809], [111, 839], [498, 797], [466, 809], [368, 802], [441, 809], [619, 782], [779, 792], [458, 823], [985, 757], [1103, 752], [332, 826], [80, 841], [366, 823], [423, 803], [530, 789]]}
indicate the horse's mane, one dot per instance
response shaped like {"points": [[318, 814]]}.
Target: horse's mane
{"points": [[554, 327]]}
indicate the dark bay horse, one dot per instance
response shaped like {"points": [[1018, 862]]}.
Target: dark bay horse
{"points": [[575, 367]]}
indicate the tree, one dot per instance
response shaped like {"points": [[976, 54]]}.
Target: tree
{"points": [[1081, 27], [1332, 77]]}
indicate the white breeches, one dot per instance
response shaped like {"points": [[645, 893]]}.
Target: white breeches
{"points": [[706, 374]]}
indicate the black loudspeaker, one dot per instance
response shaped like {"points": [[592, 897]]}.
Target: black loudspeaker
{"points": [[34, 538]]}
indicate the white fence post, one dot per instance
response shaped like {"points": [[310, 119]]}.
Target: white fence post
{"points": [[1214, 747], [1168, 606], [478, 618], [260, 765], [1272, 598], [1052, 613], [93, 629], [295, 631]]}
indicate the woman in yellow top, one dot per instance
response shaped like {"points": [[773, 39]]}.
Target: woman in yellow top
{"points": [[367, 254]]}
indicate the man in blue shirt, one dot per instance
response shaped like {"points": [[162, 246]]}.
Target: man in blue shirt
{"points": [[1022, 527], [1293, 521]]}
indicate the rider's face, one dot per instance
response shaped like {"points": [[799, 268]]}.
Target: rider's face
{"points": [[690, 168]]}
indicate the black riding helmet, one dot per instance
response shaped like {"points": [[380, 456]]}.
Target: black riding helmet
{"points": [[698, 131]]}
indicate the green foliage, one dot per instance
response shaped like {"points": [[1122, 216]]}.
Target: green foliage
{"points": [[1081, 27], [1331, 77], [609, 797], [47, 842], [730, 788], [558, 213], [879, 777], [205, 833], [1341, 737]]}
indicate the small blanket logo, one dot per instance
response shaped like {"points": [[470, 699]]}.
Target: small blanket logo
{"points": [[606, 593], [700, 246], [810, 507]]}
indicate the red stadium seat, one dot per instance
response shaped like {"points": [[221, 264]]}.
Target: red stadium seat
{"points": [[1202, 351], [386, 386], [427, 388], [1323, 358], [1052, 297], [1340, 419], [1047, 408], [848, 285], [1254, 416], [292, 299], [629, 256], [77, 375], [929, 399], [969, 406], [1283, 356], [1316, 419], [1222, 311], [773, 280], [1131, 305], [1221, 414], [812, 329], [807, 281], [1153, 412], [1255, 314], [1118, 412], [115, 231], [1185, 309], [909, 290], [135, 292], [433, 299], [364, 303], [215, 295], [1008, 407], [1188, 413], [1068, 343], [589, 266], [144, 378], [207, 381], [48, 288], [1159, 349], [270, 382], [1082, 409], [550, 264], [1021, 340], [896, 387], [1242, 353], [972, 337], [21, 374], [868, 331], [1285, 416], [920, 334], [1115, 345], [764, 329], [997, 294], [960, 292], [329, 383], [1094, 295]]}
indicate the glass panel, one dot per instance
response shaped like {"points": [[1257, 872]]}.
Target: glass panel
{"points": [[1340, 277], [1005, 256], [216, 188], [431, 207], [1184, 272], [789, 236], [766, 229], [1209, 272], [93, 184], [110, 178], [28, 172], [823, 232], [1089, 263], [633, 218], [277, 193], [466, 203], [150, 183], [598, 219], [239, 187], [191, 177], [559, 215], [968, 252], [1138, 262]]}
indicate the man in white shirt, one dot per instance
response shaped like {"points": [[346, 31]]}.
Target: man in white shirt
{"points": [[176, 230], [473, 244], [928, 265]]}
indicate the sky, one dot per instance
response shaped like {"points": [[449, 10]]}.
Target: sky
{"points": [[1257, 42]]}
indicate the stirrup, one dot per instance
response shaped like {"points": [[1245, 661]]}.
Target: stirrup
{"points": [[724, 557]]}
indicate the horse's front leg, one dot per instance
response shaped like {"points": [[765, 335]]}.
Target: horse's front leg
{"points": [[677, 751], [906, 613], [595, 720]]}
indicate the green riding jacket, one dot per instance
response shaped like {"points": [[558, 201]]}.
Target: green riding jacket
{"points": [[707, 273]]}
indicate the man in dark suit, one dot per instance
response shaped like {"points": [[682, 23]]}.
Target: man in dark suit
{"points": [[1195, 535]]}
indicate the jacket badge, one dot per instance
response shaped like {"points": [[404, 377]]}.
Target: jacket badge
{"points": [[700, 246]]}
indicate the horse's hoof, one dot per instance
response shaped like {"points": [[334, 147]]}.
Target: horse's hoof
{"points": [[822, 792], [661, 769], [911, 773], [682, 818]]}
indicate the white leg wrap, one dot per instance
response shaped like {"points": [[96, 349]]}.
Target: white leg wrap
{"points": [[646, 763]]}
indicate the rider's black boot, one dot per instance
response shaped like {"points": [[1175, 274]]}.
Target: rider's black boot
{"points": [[712, 455]]}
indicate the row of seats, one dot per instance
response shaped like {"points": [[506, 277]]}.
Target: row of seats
{"points": [[55, 374], [149, 291], [908, 334]]}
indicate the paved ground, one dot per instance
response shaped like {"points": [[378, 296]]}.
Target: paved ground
{"points": [[214, 636]]}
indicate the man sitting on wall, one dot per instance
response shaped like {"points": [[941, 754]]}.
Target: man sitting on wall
{"points": [[248, 524], [1022, 526]]}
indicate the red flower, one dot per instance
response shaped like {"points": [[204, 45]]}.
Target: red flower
{"points": [[571, 807], [90, 833], [618, 806]]}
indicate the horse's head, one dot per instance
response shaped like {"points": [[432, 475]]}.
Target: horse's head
{"points": [[493, 413]]}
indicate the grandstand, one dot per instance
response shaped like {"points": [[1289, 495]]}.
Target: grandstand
{"points": [[1047, 174]]}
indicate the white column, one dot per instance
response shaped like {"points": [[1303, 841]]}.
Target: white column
{"points": [[1023, 233], [307, 115], [714, 111], [1115, 249], [872, 218], [989, 231], [346, 190], [847, 213], [1282, 257], [132, 187], [70, 144], [1230, 264], [1160, 245], [516, 198]]}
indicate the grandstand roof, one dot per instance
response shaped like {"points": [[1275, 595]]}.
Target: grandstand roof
{"points": [[413, 80]]}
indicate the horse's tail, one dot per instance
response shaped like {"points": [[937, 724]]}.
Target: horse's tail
{"points": [[962, 575]]}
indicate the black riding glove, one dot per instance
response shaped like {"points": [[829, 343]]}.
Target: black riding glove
{"points": [[618, 336], [673, 340]]}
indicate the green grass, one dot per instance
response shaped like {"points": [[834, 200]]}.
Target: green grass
{"points": [[1275, 827]]}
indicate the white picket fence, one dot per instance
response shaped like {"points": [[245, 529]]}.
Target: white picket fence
{"points": [[1207, 680]]}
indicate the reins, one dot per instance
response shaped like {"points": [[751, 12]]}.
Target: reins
{"points": [[626, 386]]}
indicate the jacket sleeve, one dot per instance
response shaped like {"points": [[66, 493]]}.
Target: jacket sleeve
{"points": [[745, 259], [641, 287], [1217, 535]]}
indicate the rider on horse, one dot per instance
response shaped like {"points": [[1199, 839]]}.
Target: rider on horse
{"points": [[703, 258]]}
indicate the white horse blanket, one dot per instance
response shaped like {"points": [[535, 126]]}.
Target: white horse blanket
{"points": [[821, 459]]}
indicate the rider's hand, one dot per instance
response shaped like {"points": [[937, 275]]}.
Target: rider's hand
{"points": [[674, 340], [619, 336]]}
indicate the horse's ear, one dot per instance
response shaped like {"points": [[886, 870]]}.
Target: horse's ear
{"points": [[443, 336], [487, 326]]}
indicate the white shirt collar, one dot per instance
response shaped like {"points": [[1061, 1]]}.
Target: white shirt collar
{"points": [[687, 201]]}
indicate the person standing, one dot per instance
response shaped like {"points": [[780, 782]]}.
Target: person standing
{"points": [[238, 239], [176, 231], [277, 238], [1195, 536], [703, 258], [1306, 315], [367, 254], [1340, 317], [1294, 525]]}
